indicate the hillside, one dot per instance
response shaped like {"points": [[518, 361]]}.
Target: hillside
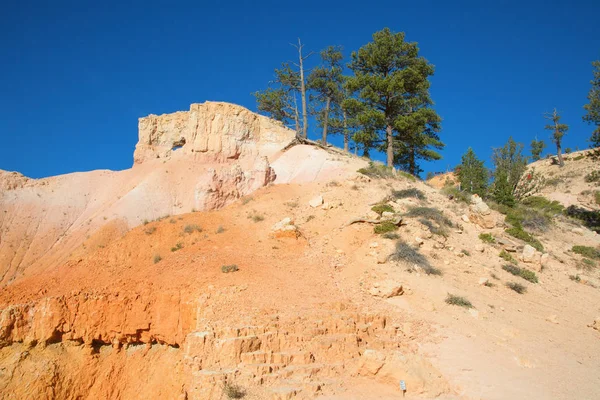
{"points": [[281, 288]]}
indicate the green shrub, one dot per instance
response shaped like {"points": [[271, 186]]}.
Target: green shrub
{"points": [[542, 203], [593, 176], [381, 208], [256, 217], [519, 233], [487, 238], [178, 246], [587, 264], [591, 219], [173, 220], [385, 227], [489, 284], [575, 278], [587, 251], [432, 214], [466, 252], [407, 176], [597, 197], [517, 287], [150, 230], [435, 229], [229, 268], [406, 193], [505, 255], [522, 272], [454, 193], [458, 301], [146, 222], [191, 228], [233, 391], [407, 253], [157, 258], [377, 171], [390, 235]]}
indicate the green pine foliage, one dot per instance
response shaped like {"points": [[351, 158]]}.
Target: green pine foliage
{"points": [[537, 147], [509, 166], [558, 131], [472, 174], [592, 109]]}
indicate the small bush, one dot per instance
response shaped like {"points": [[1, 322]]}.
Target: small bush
{"points": [[406, 193], [333, 184], [519, 233], [487, 238], [432, 214], [381, 208], [489, 284], [390, 235], [587, 264], [521, 272], [178, 246], [407, 176], [220, 229], [150, 230], [597, 197], [591, 219], [385, 227], [407, 253], [587, 251], [542, 203], [466, 252], [593, 176], [233, 391], [575, 278], [229, 268], [453, 193], [517, 287], [493, 275], [246, 200], [146, 222], [505, 255], [458, 301], [191, 228], [377, 171], [256, 217], [157, 258], [435, 229]]}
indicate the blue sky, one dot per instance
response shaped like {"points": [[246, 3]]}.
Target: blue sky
{"points": [[75, 76]]}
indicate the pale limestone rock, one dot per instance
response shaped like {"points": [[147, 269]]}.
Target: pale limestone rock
{"points": [[529, 254], [465, 218], [419, 241], [386, 289], [285, 228], [544, 260], [479, 247], [483, 281], [316, 201], [387, 215]]}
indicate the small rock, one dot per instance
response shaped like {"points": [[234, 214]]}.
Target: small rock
{"points": [[373, 245], [544, 260], [428, 235], [285, 228], [578, 231], [386, 289], [480, 248], [327, 206], [446, 262], [483, 281], [459, 254], [372, 215], [387, 215], [439, 246], [529, 254], [465, 218], [552, 318], [419, 241], [316, 202], [474, 313]]}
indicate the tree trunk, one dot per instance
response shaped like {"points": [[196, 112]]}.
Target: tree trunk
{"points": [[412, 167], [296, 117], [303, 91], [326, 121], [561, 163], [345, 133], [390, 146]]}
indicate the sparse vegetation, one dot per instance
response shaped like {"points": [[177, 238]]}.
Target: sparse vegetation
{"points": [[494, 276], [517, 287], [377, 171], [385, 227], [587, 264], [487, 238], [458, 301], [381, 208], [575, 278], [519, 233], [435, 229], [247, 200], [291, 204], [229, 268], [593, 177], [406, 193], [233, 391], [173, 220], [191, 228], [521, 272], [146, 222], [178, 246], [256, 217], [506, 256], [407, 253], [590, 219], [157, 258], [333, 184], [489, 284], [220, 229], [432, 214], [587, 251], [390, 235], [597, 197], [453, 192], [150, 230], [466, 252]]}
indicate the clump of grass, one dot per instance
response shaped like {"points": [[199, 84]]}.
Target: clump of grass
{"points": [[157, 258], [381, 208], [466, 252], [517, 287], [454, 193], [233, 391], [390, 235], [542, 203], [593, 176], [333, 184], [377, 171], [406, 193], [597, 197], [587, 264], [146, 222], [493, 275], [247, 200], [229, 268], [256, 217], [310, 218], [489, 284], [487, 238], [291, 204], [406, 175], [150, 230], [506, 256], [519, 233], [220, 229], [173, 220], [521, 272], [385, 227], [458, 301], [191, 228], [575, 278], [407, 253], [433, 228], [432, 214], [178, 246], [587, 251]]}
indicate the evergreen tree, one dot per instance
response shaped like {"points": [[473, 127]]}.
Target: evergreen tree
{"points": [[537, 147], [509, 166], [558, 131], [472, 174], [593, 107], [392, 88], [326, 82], [279, 100]]}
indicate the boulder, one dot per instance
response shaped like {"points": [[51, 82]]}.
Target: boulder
{"points": [[285, 228], [486, 221], [529, 254], [316, 201], [544, 260], [386, 289]]}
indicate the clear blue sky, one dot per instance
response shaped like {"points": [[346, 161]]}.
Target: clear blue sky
{"points": [[75, 76]]}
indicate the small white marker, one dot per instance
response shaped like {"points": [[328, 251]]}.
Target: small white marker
{"points": [[403, 387]]}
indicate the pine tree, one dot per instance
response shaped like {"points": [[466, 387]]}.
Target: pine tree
{"points": [[593, 107], [558, 131], [537, 147], [472, 174], [392, 88], [279, 99], [326, 82], [509, 166]]}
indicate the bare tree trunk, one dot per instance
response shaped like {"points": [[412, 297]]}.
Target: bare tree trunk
{"points": [[302, 90], [390, 146], [561, 163], [345, 133], [326, 121], [296, 117]]}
